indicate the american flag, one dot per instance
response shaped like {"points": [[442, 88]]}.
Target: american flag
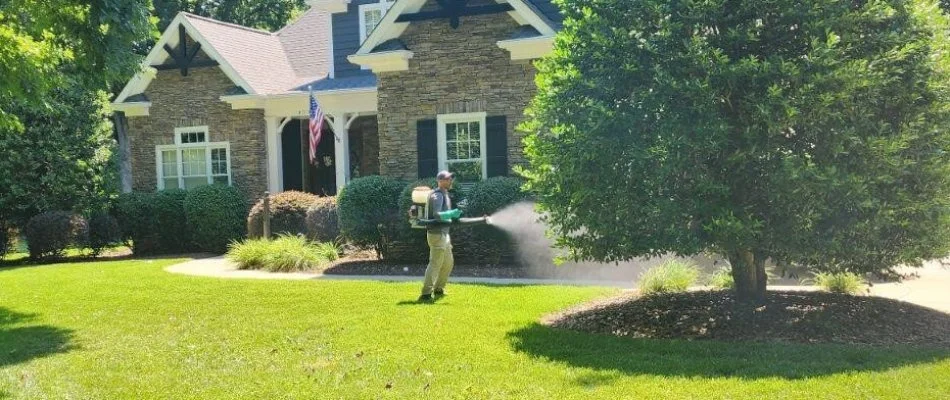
{"points": [[316, 126]]}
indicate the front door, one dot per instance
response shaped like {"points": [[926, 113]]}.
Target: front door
{"points": [[300, 174], [320, 176]]}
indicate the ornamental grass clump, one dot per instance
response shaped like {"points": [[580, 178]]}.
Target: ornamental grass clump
{"points": [[841, 282], [670, 277], [286, 253]]}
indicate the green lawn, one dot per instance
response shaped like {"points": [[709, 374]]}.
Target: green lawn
{"points": [[129, 330]]}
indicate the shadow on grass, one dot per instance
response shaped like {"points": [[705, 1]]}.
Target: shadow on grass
{"points": [[609, 355], [26, 262], [24, 343]]}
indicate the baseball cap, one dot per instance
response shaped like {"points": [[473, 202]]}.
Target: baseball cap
{"points": [[444, 175]]}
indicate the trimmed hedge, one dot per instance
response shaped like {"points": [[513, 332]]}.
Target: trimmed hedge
{"points": [[493, 194], [323, 220], [369, 211], [288, 214], [103, 232], [217, 216], [171, 224], [154, 222], [50, 233], [137, 221]]}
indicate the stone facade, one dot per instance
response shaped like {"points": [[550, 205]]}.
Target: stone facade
{"points": [[452, 70], [194, 100]]}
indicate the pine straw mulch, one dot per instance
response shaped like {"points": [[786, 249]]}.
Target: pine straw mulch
{"points": [[803, 317]]}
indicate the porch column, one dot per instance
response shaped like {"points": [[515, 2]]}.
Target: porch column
{"points": [[274, 157], [341, 149]]}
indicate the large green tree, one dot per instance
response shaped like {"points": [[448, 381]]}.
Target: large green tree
{"points": [[62, 160], [263, 14], [804, 132]]}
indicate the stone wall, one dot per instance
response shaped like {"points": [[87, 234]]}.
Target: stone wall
{"points": [[193, 100], [452, 70]]}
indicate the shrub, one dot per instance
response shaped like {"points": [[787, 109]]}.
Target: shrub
{"points": [[135, 213], [216, 214], [669, 277], [288, 214], [493, 194], [323, 220], [171, 223], [103, 232], [286, 253], [722, 279], [50, 233], [369, 210], [842, 282]]}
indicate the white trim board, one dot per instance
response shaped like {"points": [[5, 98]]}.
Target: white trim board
{"points": [[388, 28], [157, 55]]}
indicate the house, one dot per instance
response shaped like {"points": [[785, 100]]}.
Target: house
{"points": [[408, 87]]}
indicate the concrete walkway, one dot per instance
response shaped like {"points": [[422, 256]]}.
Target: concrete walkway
{"points": [[930, 289], [220, 267]]}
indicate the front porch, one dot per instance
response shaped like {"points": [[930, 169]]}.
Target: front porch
{"points": [[349, 146]]}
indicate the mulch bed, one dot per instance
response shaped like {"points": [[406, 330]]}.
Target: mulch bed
{"points": [[803, 317]]}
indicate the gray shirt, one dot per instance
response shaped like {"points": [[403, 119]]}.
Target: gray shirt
{"points": [[438, 201]]}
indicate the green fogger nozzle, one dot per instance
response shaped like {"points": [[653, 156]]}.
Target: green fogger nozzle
{"points": [[450, 215]]}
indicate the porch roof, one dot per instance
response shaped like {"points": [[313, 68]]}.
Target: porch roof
{"points": [[362, 81]]}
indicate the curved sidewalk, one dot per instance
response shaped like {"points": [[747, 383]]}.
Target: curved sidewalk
{"points": [[220, 267], [930, 289]]}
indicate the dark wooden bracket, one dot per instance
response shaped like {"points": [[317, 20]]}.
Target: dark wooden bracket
{"points": [[453, 9], [183, 58]]}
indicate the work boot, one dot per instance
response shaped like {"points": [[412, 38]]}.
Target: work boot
{"points": [[425, 298], [439, 293]]}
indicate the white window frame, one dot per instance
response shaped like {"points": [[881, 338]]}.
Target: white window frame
{"points": [[443, 119], [382, 6], [207, 145]]}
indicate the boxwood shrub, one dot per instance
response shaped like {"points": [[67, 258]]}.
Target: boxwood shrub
{"points": [[50, 233], [171, 222], [288, 214], [135, 213], [103, 232], [323, 220], [217, 216], [488, 196], [368, 206]]}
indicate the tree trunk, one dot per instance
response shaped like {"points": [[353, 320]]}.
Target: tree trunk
{"points": [[125, 161], [748, 271]]}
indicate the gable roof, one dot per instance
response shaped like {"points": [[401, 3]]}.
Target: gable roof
{"points": [[257, 61], [525, 12]]}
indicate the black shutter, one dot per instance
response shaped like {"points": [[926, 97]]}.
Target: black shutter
{"points": [[496, 143], [427, 148]]}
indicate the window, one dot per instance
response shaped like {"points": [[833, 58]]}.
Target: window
{"points": [[192, 161], [371, 15], [462, 145]]}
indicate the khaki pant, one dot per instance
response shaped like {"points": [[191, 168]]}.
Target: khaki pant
{"points": [[441, 262]]}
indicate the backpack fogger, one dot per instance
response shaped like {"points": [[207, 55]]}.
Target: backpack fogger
{"points": [[419, 212]]}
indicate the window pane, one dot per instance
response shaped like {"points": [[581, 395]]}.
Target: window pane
{"points": [[475, 150], [171, 183], [220, 180], [450, 133], [219, 161], [467, 171], [194, 182], [169, 163], [194, 162], [462, 131]]}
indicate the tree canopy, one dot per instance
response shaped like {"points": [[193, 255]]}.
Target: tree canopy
{"points": [[263, 14], [810, 133]]}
